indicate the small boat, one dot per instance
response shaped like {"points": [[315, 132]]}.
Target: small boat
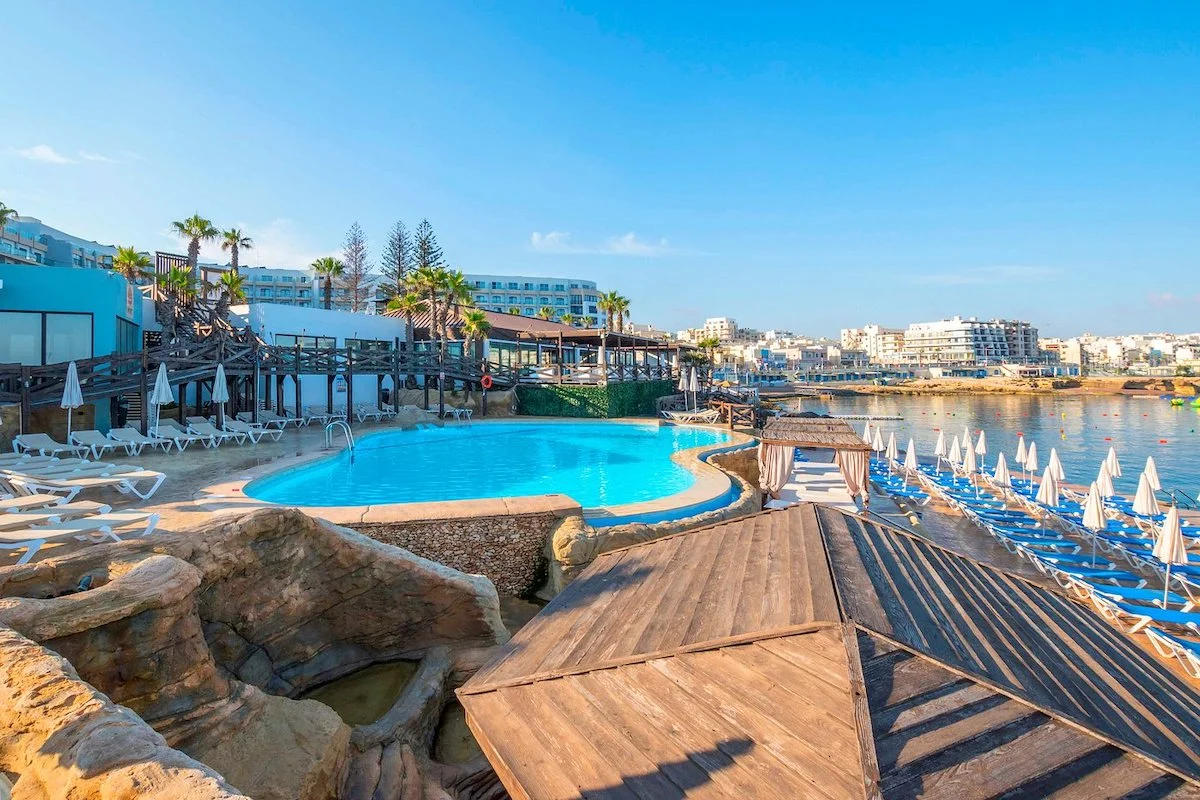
{"points": [[1196, 403], [1176, 401]]}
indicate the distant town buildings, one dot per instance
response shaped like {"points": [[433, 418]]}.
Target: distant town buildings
{"points": [[1139, 354]]}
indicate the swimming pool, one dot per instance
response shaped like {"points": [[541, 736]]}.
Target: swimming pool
{"points": [[598, 464]]}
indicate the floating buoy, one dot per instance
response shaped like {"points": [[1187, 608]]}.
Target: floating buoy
{"points": [[1108, 438], [1162, 441]]}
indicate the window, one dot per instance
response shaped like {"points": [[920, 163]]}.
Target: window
{"points": [[497, 285], [481, 298], [528, 312], [513, 285], [560, 301], [512, 298], [576, 299], [543, 287], [497, 298], [528, 299], [21, 340], [543, 300], [268, 278], [369, 345], [479, 285], [266, 292], [558, 287], [306, 342], [529, 287], [574, 285], [129, 337], [34, 338]]}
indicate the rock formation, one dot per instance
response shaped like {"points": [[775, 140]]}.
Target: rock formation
{"points": [[208, 635]]}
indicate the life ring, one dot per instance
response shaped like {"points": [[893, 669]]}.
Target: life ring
{"points": [[486, 381]]}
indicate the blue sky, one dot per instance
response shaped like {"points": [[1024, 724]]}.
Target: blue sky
{"points": [[802, 166]]}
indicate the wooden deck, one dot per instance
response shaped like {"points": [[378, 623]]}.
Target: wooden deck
{"points": [[810, 653]]}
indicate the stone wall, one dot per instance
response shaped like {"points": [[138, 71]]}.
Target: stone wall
{"points": [[10, 426], [508, 549]]}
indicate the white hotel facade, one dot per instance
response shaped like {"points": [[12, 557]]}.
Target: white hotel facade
{"points": [[957, 341]]}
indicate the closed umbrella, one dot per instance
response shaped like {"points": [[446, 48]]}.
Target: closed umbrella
{"points": [[72, 395], [1000, 476], [1114, 466], [1170, 549], [1031, 459], [955, 454], [1152, 474], [161, 395], [1048, 492], [1104, 481], [1093, 515], [910, 459], [1021, 451], [877, 442], [220, 393], [939, 451], [969, 465], [893, 452], [866, 437], [981, 447], [1144, 502], [966, 434], [1056, 465], [683, 384]]}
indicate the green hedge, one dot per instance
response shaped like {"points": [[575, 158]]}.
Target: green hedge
{"points": [[633, 399]]}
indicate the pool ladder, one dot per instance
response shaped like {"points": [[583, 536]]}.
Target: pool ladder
{"points": [[340, 424]]}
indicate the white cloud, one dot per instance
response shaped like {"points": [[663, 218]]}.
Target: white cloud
{"points": [[44, 153], [562, 243], [974, 276], [86, 156]]}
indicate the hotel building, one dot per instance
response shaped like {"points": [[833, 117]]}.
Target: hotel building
{"points": [[29, 241], [970, 341], [565, 295]]}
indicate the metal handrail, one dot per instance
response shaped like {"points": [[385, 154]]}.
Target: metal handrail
{"points": [[345, 428], [1190, 503]]}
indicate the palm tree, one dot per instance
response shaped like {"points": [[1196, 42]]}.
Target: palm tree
{"points": [[330, 267], [409, 304], [475, 328], [545, 312], [621, 310], [131, 264], [514, 310], [427, 283], [232, 286], [589, 322], [456, 292], [177, 283], [568, 318], [608, 304], [7, 215], [234, 240], [195, 229], [708, 345]]}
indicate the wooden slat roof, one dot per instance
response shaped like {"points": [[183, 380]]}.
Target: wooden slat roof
{"points": [[686, 666], [519, 326], [815, 432]]}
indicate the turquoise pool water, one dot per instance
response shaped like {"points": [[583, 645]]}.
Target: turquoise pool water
{"points": [[596, 463]]}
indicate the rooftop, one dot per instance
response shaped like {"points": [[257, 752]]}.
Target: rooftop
{"points": [[808, 652]]}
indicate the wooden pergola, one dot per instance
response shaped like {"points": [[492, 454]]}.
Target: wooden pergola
{"points": [[818, 433]]}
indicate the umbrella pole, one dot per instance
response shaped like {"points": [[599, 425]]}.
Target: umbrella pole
{"points": [[1167, 585]]}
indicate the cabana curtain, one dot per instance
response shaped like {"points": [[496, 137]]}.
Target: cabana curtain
{"points": [[774, 467], [856, 471]]}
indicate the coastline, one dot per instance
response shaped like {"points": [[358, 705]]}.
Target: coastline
{"points": [[1112, 386]]}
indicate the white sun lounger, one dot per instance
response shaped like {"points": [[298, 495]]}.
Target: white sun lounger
{"points": [[61, 470], [52, 514], [180, 438], [269, 419], [24, 459], [13, 505], [135, 440], [44, 445], [363, 412], [102, 525], [254, 433], [72, 485], [97, 443], [208, 429]]}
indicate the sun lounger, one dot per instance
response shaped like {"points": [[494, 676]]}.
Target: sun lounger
{"points": [[51, 514], [317, 415], [44, 445], [1139, 595], [103, 525], [1133, 618], [254, 433], [364, 412], [26, 502], [269, 419], [97, 443], [180, 438], [136, 441], [1185, 651], [706, 417], [72, 485], [208, 429]]}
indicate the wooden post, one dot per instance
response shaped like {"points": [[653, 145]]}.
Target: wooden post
{"points": [[441, 384], [26, 399], [328, 393], [145, 392], [560, 358], [349, 383], [296, 379], [254, 382], [396, 377], [183, 401]]}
